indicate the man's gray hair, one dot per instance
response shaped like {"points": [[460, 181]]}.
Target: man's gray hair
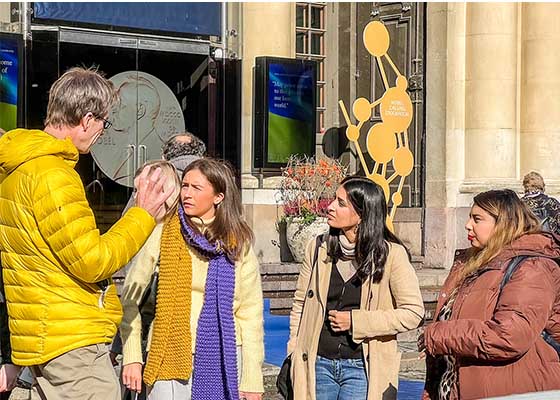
{"points": [[77, 92], [533, 182], [183, 144]]}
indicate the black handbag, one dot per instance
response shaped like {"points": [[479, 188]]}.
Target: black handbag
{"points": [[284, 379], [147, 308]]}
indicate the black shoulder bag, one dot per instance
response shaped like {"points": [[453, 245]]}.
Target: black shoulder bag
{"points": [[147, 308], [284, 379], [511, 268]]}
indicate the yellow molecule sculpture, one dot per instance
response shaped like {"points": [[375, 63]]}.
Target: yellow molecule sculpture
{"points": [[386, 141]]}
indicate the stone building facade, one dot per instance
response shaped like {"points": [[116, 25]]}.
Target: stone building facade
{"points": [[485, 83]]}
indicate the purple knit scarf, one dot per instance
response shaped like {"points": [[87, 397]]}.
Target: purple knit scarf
{"points": [[215, 361]]}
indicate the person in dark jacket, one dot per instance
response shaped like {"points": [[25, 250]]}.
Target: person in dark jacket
{"points": [[545, 208], [8, 371], [485, 342]]}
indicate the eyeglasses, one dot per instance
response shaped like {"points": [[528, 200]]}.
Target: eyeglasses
{"points": [[106, 124]]}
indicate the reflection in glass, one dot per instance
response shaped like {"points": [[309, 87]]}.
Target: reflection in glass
{"points": [[301, 42], [300, 16], [316, 43], [316, 17]]}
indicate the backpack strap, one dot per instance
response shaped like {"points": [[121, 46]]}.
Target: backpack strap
{"points": [[514, 266], [510, 270]]}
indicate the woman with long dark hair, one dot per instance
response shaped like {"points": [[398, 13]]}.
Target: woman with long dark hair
{"points": [[493, 330], [356, 291], [207, 335]]}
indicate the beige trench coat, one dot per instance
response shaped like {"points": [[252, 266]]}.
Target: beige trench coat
{"points": [[391, 306]]}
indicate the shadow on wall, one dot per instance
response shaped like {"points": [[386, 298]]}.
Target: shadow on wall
{"points": [[335, 142]]}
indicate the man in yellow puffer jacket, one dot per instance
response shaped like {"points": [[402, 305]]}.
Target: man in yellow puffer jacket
{"points": [[63, 309]]}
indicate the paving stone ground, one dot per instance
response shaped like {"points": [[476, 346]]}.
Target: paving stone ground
{"points": [[269, 372]]}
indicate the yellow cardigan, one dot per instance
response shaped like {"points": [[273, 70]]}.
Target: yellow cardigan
{"points": [[247, 308]]}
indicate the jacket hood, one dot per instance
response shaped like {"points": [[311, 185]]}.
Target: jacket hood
{"points": [[22, 145], [535, 244]]}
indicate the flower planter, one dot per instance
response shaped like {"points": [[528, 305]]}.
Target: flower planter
{"points": [[299, 234]]}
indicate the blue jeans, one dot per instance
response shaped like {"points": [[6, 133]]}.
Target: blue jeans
{"points": [[343, 379]]}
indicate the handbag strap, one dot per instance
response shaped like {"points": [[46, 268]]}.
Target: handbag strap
{"points": [[151, 289], [318, 242]]}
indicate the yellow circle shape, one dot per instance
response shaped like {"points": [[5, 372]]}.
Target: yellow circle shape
{"points": [[376, 39], [352, 133], [403, 161], [362, 109], [381, 181], [396, 110], [402, 83], [397, 199], [381, 143]]}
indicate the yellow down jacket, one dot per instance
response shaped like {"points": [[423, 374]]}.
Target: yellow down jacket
{"points": [[53, 255]]}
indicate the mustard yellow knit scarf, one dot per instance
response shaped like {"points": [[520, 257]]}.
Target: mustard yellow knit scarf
{"points": [[170, 356]]}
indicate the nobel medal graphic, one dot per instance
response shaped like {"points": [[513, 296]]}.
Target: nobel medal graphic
{"points": [[146, 115]]}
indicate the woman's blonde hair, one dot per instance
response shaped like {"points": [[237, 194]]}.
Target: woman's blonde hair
{"points": [[513, 220], [172, 183]]}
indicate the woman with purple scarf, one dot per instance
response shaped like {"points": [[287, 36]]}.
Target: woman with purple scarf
{"points": [[206, 341]]}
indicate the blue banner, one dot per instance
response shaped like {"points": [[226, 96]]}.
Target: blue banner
{"points": [[9, 80], [192, 18]]}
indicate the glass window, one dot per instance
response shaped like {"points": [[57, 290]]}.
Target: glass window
{"points": [[310, 36], [301, 42], [317, 17], [317, 43], [301, 14]]}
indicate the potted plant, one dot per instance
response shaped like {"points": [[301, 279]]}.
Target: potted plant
{"points": [[307, 188]]}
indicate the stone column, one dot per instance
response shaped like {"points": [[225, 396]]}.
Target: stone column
{"points": [[490, 96], [540, 102], [4, 13], [268, 30]]}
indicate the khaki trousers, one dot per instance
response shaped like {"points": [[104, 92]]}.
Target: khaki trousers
{"points": [[83, 373]]}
